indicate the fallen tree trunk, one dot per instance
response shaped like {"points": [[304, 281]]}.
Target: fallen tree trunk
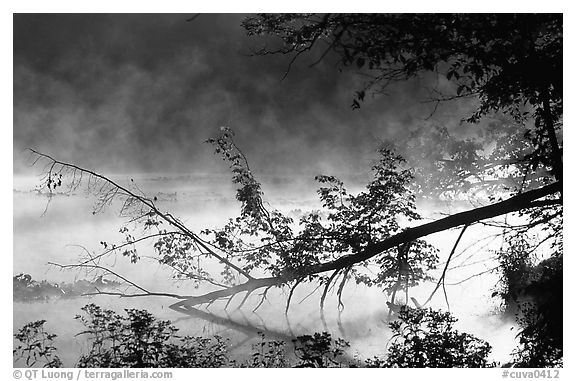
{"points": [[513, 204]]}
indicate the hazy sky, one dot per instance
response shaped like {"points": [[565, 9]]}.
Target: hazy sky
{"points": [[140, 93]]}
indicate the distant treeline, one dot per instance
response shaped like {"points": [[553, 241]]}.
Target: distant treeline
{"points": [[43, 192], [26, 289]]}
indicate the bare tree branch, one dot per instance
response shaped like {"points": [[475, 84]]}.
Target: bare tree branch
{"points": [[443, 276], [132, 197]]}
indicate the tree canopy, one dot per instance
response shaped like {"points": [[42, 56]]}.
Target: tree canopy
{"points": [[511, 63]]}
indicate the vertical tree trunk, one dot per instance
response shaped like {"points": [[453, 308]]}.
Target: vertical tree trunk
{"points": [[549, 125]]}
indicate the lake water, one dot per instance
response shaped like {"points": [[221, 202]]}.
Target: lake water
{"points": [[67, 227]]}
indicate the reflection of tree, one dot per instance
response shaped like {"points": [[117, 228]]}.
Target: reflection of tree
{"points": [[372, 237]]}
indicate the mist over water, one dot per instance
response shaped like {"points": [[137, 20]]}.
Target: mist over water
{"points": [[67, 228]]}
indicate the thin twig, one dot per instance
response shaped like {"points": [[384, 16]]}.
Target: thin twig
{"points": [[443, 276]]}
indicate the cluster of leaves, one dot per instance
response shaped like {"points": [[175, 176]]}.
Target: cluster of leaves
{"points": [[424, 338], [532, 291], [36, 346], [180, 253], [268, 354], [250, 193], [130, 250], [348, 224], [54, 181], [139, 340], [541, 343], [516, 262], [319, 351]]}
